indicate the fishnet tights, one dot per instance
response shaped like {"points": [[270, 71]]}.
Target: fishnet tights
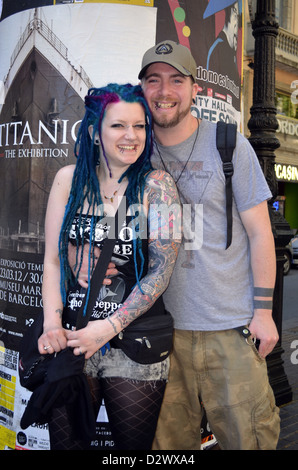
{"points": [[132, 407]]}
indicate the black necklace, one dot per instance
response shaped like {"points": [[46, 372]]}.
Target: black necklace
{"points": [[189, 156]]}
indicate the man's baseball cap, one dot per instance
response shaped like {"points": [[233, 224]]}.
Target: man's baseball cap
{"points": [[171, 53]]}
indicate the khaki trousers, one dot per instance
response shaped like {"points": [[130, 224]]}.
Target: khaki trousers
{"points": [[226, 372]]}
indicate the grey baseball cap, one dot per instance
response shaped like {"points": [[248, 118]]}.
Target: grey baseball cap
{"points": [[171, 53]]}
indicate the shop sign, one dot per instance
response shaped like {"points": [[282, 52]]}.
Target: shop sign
{"points": [[286, 172], [285, 126]]}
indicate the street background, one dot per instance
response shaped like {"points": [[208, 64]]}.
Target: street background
{"points": [[289, 412]]}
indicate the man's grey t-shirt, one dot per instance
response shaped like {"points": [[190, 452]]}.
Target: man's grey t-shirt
{"points": [[211, 288]]}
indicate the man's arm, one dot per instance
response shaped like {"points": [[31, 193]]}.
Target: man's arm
{"points": [[258, 227]]}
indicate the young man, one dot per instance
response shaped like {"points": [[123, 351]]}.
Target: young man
{"points": [[214, 292]]}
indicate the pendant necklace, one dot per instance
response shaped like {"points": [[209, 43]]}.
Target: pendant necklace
{"points": [[111, 198], [181, 173]]}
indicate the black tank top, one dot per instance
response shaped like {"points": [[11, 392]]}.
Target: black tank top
{"points": [[111, 297]]}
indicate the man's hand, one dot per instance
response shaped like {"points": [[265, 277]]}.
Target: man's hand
{"points": [[83, 274], [263, 328]]}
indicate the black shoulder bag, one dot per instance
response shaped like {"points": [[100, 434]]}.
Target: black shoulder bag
{"points": [[225, 142]]}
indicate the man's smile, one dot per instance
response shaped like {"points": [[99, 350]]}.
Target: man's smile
{"points": [[164, 105]]}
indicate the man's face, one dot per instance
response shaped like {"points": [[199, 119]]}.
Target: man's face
{"points": [[169, 94]]}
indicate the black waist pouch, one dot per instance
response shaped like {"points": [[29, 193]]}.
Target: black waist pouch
{"points": [[148, 339]]}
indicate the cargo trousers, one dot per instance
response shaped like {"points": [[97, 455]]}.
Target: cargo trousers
{"points": [[223, 370]]}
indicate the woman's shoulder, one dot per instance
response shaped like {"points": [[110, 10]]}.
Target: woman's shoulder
{"points": [[62, 181], [65, 174], [66, 171]]}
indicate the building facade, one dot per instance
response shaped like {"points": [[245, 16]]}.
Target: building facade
{"points": [[286, 98]]}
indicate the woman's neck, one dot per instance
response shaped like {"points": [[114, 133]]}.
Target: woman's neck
{"points": [[110, 188]]}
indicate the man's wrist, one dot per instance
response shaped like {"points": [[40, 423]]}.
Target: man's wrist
{"points": [[263, 298]]}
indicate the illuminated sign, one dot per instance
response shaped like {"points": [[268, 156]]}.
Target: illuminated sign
{"points": [[286, 172]]}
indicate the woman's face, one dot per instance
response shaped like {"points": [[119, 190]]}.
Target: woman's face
{"points": [[123, 133]]}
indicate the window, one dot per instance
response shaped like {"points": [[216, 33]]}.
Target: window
{"points": [[283, 13], [285, 105]]}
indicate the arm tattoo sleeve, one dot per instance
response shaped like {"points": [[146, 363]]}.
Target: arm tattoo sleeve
{"points": [[164, 217]]}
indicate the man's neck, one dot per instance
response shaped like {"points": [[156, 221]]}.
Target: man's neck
{"points": [[177, 134]]}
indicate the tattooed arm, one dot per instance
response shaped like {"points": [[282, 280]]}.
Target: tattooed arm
{"points": [[164, 219]]}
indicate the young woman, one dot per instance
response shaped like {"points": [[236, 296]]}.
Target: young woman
{"points": [[113, 151]]}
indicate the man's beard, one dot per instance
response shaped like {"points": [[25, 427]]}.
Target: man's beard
{"points": [[166, 123]]}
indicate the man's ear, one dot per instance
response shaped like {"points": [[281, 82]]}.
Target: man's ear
{"points": [[195, 89], [96, 137]]}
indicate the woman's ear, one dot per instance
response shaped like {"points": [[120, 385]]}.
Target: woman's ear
{"points": [[96, 137]]}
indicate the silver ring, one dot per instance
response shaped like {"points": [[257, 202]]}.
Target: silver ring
{"points": [[47, 347], [251, 338]]}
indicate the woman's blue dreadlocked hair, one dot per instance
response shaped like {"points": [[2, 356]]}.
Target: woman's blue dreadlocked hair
{"points": [[85, 184]]}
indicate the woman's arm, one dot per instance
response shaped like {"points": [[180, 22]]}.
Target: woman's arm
{"points": [[53, 334], [161, 198]]}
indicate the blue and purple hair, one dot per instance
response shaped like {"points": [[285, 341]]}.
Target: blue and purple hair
{"points": [[85, 184]]}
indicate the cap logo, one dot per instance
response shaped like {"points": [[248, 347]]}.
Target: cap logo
{"points": [[164, 49]]}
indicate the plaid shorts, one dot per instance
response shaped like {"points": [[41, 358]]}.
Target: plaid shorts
{"points": [[116, 364], [226, 373]]}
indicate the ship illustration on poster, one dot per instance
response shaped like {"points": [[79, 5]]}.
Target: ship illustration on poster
{"points": [[43, 106]]}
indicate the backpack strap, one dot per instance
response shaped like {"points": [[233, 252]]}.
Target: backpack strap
{"points": [[225, 143]]}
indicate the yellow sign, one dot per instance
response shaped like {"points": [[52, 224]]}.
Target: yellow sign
{"points": [[286, 172], [7, 397], [143, 3]]}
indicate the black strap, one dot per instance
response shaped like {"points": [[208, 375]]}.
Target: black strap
{"points": [[99, 272], [225, 142]]}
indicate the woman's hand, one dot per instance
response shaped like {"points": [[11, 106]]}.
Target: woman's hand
{"points": [[91, 338], [52, 340]]}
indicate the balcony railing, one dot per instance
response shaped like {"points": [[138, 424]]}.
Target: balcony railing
{"points": [[287, 47]]}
